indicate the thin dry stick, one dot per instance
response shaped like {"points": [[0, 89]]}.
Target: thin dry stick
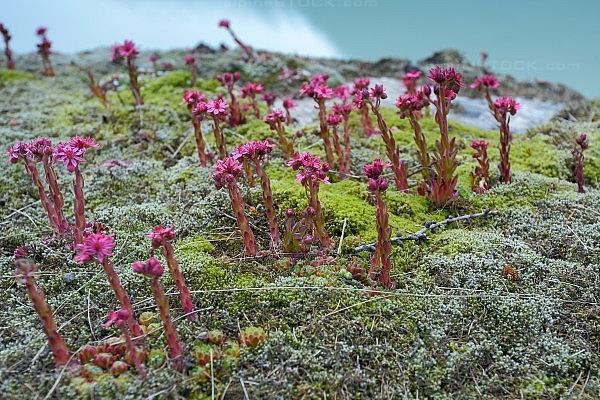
{"points": [[339, 250], [422, 234]]}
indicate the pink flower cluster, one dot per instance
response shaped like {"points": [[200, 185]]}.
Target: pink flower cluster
{"points": [[449, 78], [71, 153], [506, 105], [151, 268], [485, 81], [309, 167], [373, 171], [95, 246], [161, 234], [125, 50], [317, 88], [227, 171]]}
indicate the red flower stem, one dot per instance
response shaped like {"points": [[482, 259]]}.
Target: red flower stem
{"points": [[133, 82], [248, 172], [200, 144], [243, 46], [324, 132], [184, 294], [287, 147], [288, 117], [384, 244], [505, 139], [121, 295], [175, 352], [56, 194], [194, 72], [237, 203], [338, 148], [579, 177], [319, 220], [265, 184], [421, 143], [255, 108], [79, 207], [219, 138], [347, 152], [365, 120], [235, 118], [399, 170], [60, 351], [131, 349], [10, 64], [35, 177]]}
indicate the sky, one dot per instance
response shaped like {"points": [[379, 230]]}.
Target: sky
{"points": [[551, 40]]}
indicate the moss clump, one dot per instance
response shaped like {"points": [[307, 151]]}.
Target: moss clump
{"points": [[12, 75], [168, 89]]}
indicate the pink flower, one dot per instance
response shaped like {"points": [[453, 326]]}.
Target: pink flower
{"points": [[309, 167], [485, 81], [153, 57], [409, 102], [342, 92], [40, 147], [334, 119], [20, 252], [411, 77], [199, 109], [342, 109], [253, 149], [361, 84], [446, 77], [274, 116], [323, 92], [95, 245], [41, 31], [161, 234], [374, 169], [227, 171], [17, 152], [116, 317], [217, 107], [192, 97], [582, 141], [360, 98], [269, 98], [506, 105], [378, 92], [227, 79], [189, 59], [70, 155], [479, 144], [224, 23], [128, 49], [288, 103], [251, 89], [151, 268], [319, 79], [83, 143]]}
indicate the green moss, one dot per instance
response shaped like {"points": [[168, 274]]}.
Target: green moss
{"points": [[194, 245], [168, 89], [8, 75]]}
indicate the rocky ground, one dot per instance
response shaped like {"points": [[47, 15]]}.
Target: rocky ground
{"points": [[456, 326]]}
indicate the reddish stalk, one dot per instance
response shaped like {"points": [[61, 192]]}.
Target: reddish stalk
{"points": [[344, 110], [44, 50], [227, 171], [26, 275], [196, 104], [275, 121], [251, 90], [481, 176], [162, 237], [128, 51], [442, 187], [255, 152], [97, 90], [99, 247], [10, 64], [152, 269], [409, 106], [311, 173], [226, 24], [578, 158], [121, 319], [361, 84], [191, 63], [333, 120], [228, 80], [288, 104], [217, 109], [373, 99], [382, 256]]}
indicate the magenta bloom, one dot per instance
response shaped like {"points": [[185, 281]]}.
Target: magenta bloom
{"points": [[309, 167], [479, 144], [322, 92], [40, 147], [342, 92], [95, 246], [128, 49], [288, 103], [269, 98], [251, 89], [334, 119], [83, 143], [192, 97], [506, 105], [153, 57], [17, 152], [409, 103], [70, 155], [374, 169], [217, 107], [274, 116], [447, 77], [378, 92], [161, 234], [411, 77], [485, 81], [41, 31], [189, 59], [227, 171], [361, 84], [224, 23], [151, 268], [116, 317], [253, 149]]}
